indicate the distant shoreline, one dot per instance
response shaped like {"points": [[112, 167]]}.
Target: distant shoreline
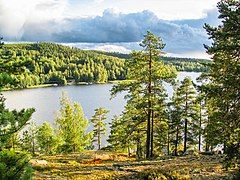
{"points": [[56, 85]]}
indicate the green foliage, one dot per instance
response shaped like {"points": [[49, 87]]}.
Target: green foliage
{"points": [[46, 139], [146, 93], [40, 63], [186, 97], [28, 139], [48, 63], [99, 125], [14, 165], [181, 64], [224, 82], [12, 121], [5, 79], [118, 137], [183, 119], [72, 126]]}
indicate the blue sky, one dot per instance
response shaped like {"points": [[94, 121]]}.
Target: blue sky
{"points": [[113, 22]]}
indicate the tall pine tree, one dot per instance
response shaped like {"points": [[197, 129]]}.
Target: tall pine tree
{"points": [[147, 74], [224, 77]]}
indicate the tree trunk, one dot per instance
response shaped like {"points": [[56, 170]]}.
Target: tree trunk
{"points": [[33, 147], [129, 151], [185, 135], [176, 142], [207, 147], [151, 154], [185, 124], [148, 141], [200, 130], [99, 140], [148, 135], [168, 144], [138, 148]]}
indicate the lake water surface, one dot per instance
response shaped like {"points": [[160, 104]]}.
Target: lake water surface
{"points": [[46, 100]]}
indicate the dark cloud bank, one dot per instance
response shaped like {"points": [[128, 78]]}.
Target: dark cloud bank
{"points": [[179, 36]]}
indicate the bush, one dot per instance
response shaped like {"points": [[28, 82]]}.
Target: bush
{"points": [[14, 165]]}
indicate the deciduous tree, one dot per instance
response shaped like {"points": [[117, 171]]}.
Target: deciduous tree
{"points": [[71, 126]]}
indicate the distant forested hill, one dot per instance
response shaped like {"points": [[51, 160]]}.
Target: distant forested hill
{"points": [[49, 63], [44, 63], [181, 64]]}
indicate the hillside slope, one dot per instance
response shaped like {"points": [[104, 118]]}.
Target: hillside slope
{"points": [[34, 64], [42, 63]]}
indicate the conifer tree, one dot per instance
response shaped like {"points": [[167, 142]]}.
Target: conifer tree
{"points": [[11, 122], [175, 122], [224, 82], [186, 96], [118, 135], [99, 125], [147, 73]]}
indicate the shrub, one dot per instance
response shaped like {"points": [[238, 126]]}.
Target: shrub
{"points": [[14, 165]]}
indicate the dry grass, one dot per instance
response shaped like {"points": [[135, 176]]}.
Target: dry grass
{"points": [[92, 165]]}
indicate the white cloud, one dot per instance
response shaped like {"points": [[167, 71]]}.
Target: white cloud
{"points": [[164, 9], [108, 47], [192, 54], [113, 48], [98, 1], [124, 21], [15, 14], [128, 47]]}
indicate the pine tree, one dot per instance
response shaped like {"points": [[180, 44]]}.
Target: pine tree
{"points": [[99, 126], [201, 118], [119, 137], [186, 96], [147, 73], [175, 123], [13, 164], [224, 83], [12, 121]]}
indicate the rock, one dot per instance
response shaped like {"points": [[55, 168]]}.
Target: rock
{"points": [[35, 162]]}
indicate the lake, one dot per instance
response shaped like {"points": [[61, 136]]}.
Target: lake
{"points": [[46, 100]]}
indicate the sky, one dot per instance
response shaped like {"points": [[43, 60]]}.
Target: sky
{"points": [[111, 25]]}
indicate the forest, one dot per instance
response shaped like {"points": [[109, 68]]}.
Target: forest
{"points": [[181, 64], [195, 134], [48, 63]]}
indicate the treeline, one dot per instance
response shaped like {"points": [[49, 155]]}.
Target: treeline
{"points": [[196, 118], [49, 63], [68, 135], [181, 64], [179, 125], [44, 63], [152, 124]]}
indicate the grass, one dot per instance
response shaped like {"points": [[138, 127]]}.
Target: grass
{"points": [[91, 165]]}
